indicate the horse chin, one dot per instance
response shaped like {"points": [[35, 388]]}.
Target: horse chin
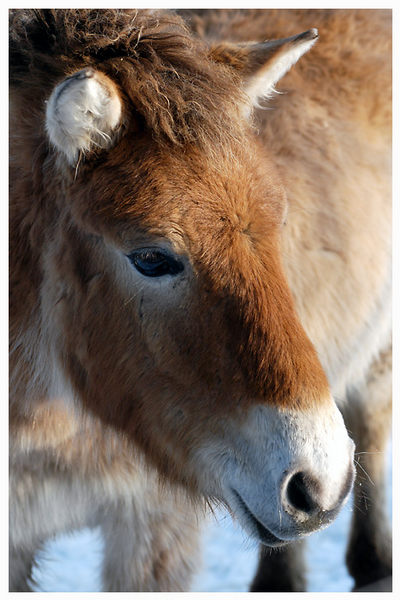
{"points": [[250, 523]]}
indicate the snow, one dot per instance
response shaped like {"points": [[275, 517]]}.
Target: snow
{"points": [[72, 563]]}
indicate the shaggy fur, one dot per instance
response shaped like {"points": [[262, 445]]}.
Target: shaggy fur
{"points": [[157, 64], [109, 383]]}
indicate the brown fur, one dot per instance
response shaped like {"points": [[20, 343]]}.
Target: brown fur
{"points": [[186, 172], [150, 60], [213, 208]]}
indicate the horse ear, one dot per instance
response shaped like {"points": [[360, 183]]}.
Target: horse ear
{"points": [[261, 65], [83, 111]]}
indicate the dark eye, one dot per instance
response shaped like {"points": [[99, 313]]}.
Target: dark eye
{"points": [[154, 262]]}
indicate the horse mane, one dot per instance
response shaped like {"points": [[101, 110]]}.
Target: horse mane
{"points": [[163, 70]]}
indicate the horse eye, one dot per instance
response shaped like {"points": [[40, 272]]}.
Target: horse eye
{"points": [[153, 262]]}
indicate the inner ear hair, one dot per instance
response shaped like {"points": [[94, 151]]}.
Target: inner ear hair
{"points": [[262, 64], [83, 111]]}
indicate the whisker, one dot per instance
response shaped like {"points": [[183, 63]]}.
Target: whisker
{"points": [[364, 471], [359, 509], [131, 299]]}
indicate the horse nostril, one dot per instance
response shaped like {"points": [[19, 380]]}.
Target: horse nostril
{"points": [[298, 493]]}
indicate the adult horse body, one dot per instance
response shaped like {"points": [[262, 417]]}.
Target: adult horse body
{"points": [[153, 333]]}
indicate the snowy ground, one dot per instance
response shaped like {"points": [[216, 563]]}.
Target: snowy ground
{"points": [[71, 563]]}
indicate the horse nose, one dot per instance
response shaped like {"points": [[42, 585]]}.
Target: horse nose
{"points": [[304, 498], [301, 494]]}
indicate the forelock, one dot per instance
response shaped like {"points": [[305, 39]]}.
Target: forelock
{"points": [[163, 71]]}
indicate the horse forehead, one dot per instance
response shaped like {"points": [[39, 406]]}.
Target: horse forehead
{"points": [[185, 195], [216, 195], [229, 222]]}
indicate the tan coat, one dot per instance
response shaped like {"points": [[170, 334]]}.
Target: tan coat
{"points": [[189, 273]]}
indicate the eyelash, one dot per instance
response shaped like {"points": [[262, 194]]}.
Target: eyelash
{"points": [[153, 262]]}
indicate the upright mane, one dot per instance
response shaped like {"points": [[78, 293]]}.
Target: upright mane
{"points": [[164, 72]]}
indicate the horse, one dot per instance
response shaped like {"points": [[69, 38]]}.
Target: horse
{"points": [[197, 286]]}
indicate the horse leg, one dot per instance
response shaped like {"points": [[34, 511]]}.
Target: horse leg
{"points": [[280, 570], [368, 418], [149, 548]]}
